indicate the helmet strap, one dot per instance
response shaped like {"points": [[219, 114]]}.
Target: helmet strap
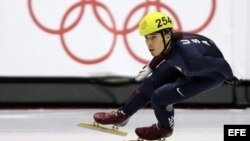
{"points": [[166, 49]]}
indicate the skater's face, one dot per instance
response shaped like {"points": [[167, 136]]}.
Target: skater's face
{"points": [[155, 43]]}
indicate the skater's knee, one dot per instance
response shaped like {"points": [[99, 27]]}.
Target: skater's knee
{"points": [[169, 107]]}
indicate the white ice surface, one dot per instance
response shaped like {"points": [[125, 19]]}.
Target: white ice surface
{"points": [[61, 124]]}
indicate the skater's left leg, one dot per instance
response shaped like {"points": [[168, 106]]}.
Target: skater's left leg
{"points": [[184, 88]]}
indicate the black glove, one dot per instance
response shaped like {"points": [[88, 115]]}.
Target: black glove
{"points": [[234, 81]]}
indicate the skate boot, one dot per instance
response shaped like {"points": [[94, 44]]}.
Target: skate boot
{"points": [[117, 118], [154, 132]]}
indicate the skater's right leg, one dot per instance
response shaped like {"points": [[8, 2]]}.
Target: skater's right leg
{"points": [[136, 101], [140, 96]]}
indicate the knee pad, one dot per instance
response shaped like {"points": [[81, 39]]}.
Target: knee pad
{"points": [[169, 108]]}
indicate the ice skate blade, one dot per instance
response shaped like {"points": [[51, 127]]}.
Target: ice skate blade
{"points": [[98, 127]]}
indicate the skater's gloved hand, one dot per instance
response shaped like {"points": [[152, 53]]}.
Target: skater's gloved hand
{"points": [[143, 74], [234, 81]]}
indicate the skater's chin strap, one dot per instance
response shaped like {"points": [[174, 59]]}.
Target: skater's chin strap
{"points": [[167, 47]]}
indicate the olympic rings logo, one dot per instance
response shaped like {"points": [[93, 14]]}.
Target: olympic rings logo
{"points": [[113, 28]]}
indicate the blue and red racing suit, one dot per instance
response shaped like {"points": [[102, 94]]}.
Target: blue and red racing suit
{"points": [[194, 65]]}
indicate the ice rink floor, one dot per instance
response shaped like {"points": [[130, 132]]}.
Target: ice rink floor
{"points": [[61, 124]]}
